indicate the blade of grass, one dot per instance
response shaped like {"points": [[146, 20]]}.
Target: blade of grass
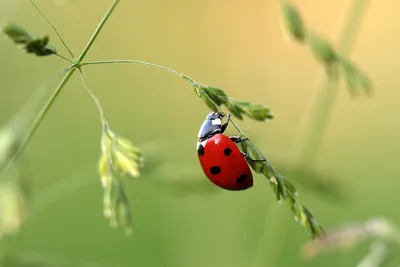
{"points": [[270, 250], [38, 120], [55, 30], [42, 113], [97, 31], [327, 93]]}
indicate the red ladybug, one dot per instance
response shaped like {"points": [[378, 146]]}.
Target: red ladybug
{"points": [[221, 160]]}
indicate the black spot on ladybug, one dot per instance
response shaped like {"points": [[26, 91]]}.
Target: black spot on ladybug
{"points": [[227, 151], [200, 150], [215, 170], [241, 178]]}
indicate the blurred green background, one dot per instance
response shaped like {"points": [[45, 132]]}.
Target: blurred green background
{"points": [[179, 218]]}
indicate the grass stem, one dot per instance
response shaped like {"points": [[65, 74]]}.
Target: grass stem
{"points": [[39, 118], [97, 31], [53, 27], [318, 118], [42, 113], [319, 114]]}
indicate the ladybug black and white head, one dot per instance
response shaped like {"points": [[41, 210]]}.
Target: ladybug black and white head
{"points": [[211, 126]]}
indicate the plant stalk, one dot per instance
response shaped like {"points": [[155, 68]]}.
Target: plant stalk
{"points": [[97, 31], [276, 228], [138, 62], [39, 118], [42, 113], [320, 112], [144, 63]]}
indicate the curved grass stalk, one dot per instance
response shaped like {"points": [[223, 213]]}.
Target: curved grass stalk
{"points": [[277, 226], [95, 99], [127, 61]]}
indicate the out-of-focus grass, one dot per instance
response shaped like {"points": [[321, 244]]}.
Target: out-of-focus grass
{"points": [[242, 51]]}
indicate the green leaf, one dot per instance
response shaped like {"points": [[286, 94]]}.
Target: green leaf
{"points": [[365, 83], [280, 186], [234, 109], [296, 210], [255, 111], [315, 229], [349, 73], [354, 78], [208, 101], [243, 144], [216, 94], [322, 48], [259, 113], [305, 217], [253, 157], [288, 185], [266, 170], [293, 22]]}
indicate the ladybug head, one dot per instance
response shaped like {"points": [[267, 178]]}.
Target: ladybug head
{"points": [[212, 125]]}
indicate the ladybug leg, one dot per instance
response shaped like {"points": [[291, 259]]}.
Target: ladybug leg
{"points": [[225, 125], [254, 160], [238, 139]]}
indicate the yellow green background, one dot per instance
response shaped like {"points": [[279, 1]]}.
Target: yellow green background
{"points": [[179, 218]]}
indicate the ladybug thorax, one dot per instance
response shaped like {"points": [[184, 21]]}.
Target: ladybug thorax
{"points": [[210, 126]]}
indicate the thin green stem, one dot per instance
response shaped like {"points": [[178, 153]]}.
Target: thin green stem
{"points": [[54, 28], [97, 31], [39, 118], [195, 84], [64, 58], [46, 108], [268, 250], [318, 118], [95, 99], [139, 62]]}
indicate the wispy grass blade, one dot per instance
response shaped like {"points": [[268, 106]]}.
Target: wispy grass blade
{"points": [[53, 27]]}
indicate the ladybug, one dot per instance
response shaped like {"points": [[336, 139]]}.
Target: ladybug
{"points": [[221, 160]]}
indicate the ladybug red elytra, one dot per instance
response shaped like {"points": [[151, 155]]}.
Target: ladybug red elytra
{"points": [[221, 160]]}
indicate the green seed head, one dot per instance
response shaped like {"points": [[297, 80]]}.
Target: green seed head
{"points": [[293, 22], [322, 49]]}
